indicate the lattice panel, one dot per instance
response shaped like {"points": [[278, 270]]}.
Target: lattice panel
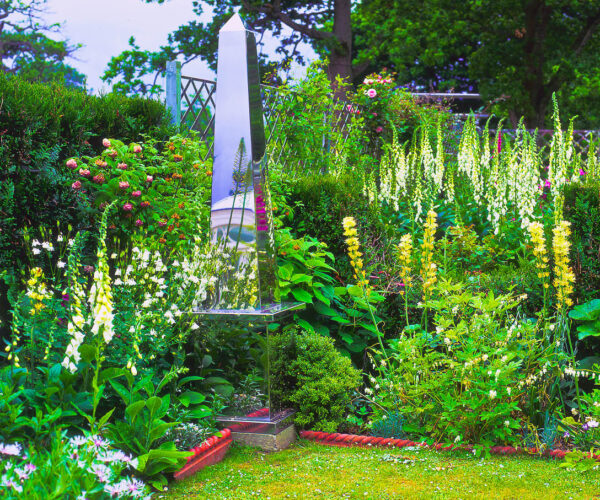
{"points": [[198, 109]]}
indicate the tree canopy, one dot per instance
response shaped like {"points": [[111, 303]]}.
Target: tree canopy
{"points": [[515, 53], [325, 24], [27, 50]]}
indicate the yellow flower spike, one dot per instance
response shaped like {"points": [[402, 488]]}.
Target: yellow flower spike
{"points": [[428, 267], [349, 225], [404, 257], [563, 273]]}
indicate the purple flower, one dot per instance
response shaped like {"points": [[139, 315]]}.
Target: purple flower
{"points": [[102, 472], [9, 483], [78, 441], [566, 435], [99, 442], [10, 449], [585, 427]]}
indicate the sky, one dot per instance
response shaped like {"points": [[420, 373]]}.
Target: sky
{"points": [[104, 28]]}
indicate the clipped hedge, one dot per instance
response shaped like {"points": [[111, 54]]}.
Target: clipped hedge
{"points": [[41, 126], [582, 210], [319, 205]]}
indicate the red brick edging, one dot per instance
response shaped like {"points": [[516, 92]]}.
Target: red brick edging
{"points": [[213, 450], [336, 439]]}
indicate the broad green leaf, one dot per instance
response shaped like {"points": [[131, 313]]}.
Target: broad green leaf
{"points": [[305, 324], [355, 291], [191, 397], [586, 312], [153, 404], [134, 409], [109, 374], [302, 295], [591, 329], [325, 310]]}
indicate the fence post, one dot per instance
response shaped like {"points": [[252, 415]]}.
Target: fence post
{"points": [[173, 86]]}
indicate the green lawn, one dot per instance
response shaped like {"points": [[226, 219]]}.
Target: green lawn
{"points": [[308, 470]]}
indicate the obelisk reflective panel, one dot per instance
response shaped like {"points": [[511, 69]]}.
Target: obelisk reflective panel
{"points": [[240, 211]]}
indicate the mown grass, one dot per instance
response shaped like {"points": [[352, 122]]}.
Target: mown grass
{"points": [[308, 470]]}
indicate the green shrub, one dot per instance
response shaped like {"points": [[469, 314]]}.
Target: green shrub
{"points": [[308, 374], [582, 210], [319, 205], [40, 127]]}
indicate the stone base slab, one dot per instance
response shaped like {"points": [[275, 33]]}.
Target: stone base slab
{"points": [[267, 442]]}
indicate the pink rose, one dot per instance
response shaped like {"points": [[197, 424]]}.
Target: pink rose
{"points": [[123, 185], [581, 171], [379, 129], [76, 185], [371, 93], [139, 223], [112, 153], [84, 172], [72, 164], [547, 183], [162, 223], [149, 178], [374, 114], [106, 143], [122, 166], [145, 204], [137, 148], [128, 207], [137, 194], [99, 179], [368, 81]]}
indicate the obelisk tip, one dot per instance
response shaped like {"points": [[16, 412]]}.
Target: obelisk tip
{"points": [[235, 23]]}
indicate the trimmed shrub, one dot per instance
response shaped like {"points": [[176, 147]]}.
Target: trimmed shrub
{"points": [[43, 125], [40, 127], [319, 205], [582, 210], [310, 375]]}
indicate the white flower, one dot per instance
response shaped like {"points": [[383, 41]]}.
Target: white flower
{"points": [[457, 439], [508, 389], [493, 394], [59, 238], [506, 423], [60, 264], [484, 357], [35, 251], [592, 423]]}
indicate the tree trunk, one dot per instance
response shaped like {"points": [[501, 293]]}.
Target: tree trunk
{"points": [[340, 58]]}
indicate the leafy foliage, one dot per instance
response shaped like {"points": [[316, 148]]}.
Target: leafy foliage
{"points": [[516, 54], [26, 49], [307, 373]]}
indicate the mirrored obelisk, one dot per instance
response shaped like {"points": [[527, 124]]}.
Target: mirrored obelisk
{"points": [[241, 220], [240, 211]]}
